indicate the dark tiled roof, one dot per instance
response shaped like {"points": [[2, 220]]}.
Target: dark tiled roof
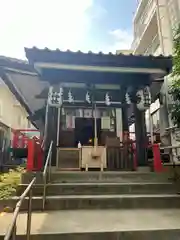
{"points": [[29, 86], [98, 59], [17, 64], [91, 53], [23, 81], [14, 90]]}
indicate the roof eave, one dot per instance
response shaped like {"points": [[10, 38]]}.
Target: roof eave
{"points": [[46, 56], [14, 90]]}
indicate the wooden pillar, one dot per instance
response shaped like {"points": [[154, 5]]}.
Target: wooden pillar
{"points": [[54, 135], [119, 123], [59, 112], [141, 136], [125, 125], [52, 132]]}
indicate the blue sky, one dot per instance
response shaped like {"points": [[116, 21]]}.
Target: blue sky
{"points": [[97, 25]]}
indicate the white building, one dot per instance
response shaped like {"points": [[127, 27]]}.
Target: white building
{"points": [[154, 24]]}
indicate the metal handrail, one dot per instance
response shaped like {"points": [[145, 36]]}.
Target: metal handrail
{"points": [[45, 127], [11, 232], [170, 147], [47, 164]]}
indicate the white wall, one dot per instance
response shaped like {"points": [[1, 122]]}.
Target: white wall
{"points": [[12, 113]]}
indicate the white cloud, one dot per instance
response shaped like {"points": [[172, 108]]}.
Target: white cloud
{"points": [[63, 24], [122, 40], [43, 23], [97, 12]]}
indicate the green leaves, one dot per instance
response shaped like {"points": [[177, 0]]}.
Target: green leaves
{"points": [[9, 182], [175, 86], [176, 57]]}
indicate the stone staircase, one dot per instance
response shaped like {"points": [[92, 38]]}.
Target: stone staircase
{"points": [[94, 205]]}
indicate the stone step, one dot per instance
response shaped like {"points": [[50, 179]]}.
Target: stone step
{"points": [[122, 177], [98, 224], [100, 188], [71, 202], [154, 234]]}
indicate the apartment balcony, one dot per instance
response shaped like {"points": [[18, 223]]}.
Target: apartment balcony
{"points": [[142, 20], [153, 47], [149, 41]]}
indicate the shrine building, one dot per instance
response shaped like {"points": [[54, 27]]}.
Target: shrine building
{"points": [[91, 101]]}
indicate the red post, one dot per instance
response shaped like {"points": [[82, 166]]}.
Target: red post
{"points": [[35, 156], [39, 153], [30, 157], [158, 166]]}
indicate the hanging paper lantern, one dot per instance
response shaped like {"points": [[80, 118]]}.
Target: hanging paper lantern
{"points": [[143, 99], [147, 97], [140, 100]]}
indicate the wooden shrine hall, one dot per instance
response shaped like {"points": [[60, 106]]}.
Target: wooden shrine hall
{"points": [[91, 101]]}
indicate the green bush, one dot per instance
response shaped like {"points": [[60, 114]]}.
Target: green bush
{"points": [[175, 86], [9, 182]]}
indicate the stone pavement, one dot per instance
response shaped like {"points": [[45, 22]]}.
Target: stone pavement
{"points": [[95, 221]]}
